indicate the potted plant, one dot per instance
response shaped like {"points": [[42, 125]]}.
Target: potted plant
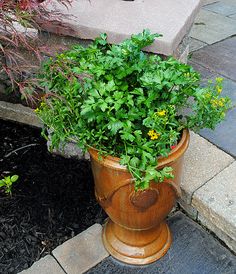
{"points": [[132, 112]]}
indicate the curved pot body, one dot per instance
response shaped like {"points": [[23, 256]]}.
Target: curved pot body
{"points": [[136, 232]]}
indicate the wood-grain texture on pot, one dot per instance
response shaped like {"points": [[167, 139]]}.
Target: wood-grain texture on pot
{"points": [[136, 232]]}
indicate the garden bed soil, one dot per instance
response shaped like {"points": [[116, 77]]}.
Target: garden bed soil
{"points": [[52, 201]]}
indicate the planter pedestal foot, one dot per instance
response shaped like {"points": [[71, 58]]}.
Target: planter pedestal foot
{"points": [[136, 247]]}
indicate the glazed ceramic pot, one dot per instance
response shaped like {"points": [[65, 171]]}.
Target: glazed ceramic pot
{"points": [[136, 231]]}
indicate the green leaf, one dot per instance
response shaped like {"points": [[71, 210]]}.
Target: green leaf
{"points": [[124, 160], [103, 106], [14, 178], [115, 126], [85, 110], [134, 162], [128, 136], [7, 180], [167, 172], [111, 86]]}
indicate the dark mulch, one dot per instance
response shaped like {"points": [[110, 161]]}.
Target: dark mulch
{"points": [[52, 201], [11, 97], [16, 98]]}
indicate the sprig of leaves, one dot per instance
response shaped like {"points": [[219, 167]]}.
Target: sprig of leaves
{"points": [[7, 182]]}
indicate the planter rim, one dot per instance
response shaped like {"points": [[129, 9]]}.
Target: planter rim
{"points": [[113, 162]]}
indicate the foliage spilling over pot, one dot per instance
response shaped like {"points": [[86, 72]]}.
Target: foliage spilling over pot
{"points": [[126, 103]]}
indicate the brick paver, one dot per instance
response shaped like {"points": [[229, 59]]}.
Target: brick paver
{"points": [[47, 265], [216, 201], [201, 164], [81, 252]]}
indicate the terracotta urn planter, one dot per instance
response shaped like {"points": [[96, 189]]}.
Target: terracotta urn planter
{"points": [[136, 231]]}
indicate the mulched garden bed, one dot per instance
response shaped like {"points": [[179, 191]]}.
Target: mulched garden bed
{"points": [[52, 201]]}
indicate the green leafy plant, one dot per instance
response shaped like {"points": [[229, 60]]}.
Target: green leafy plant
{"points": [[7, 182], [126, 103]]}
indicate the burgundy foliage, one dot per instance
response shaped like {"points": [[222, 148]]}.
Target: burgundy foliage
{"points": [[16, 16]]}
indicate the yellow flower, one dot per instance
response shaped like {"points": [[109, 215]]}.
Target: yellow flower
{"points": [[150, 132], [218, 103], [153, 134], [218, 89], [161, 113], [36, 110], [219, 79], [208, 95]]}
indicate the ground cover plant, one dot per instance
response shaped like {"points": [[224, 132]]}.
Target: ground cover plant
{"points": [[7, 182], [52, 201], [126, 103]]}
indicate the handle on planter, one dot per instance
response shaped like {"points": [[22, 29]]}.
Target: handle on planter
{"points": [[143, 199], [106, 199]]}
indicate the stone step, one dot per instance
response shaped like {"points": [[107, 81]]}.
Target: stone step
{"points": [[216, 203], [209, 188], [172, 19], [46, 265], [19, 113], [82, 252]]}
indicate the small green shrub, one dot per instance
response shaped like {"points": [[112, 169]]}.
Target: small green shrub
{"points": [[6, 183], [126, 103]]}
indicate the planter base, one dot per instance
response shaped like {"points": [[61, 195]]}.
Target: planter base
{"points": [[136, 247]]}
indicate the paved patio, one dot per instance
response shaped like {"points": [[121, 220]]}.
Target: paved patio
{"points": [[194, 251], [209, 181]]}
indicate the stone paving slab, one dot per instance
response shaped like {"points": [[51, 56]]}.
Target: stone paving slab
{"points": [[46, 265], [206, 73], [224, 7], [233, 16], [119, 20], [19, 113], [82, 252], [207, 2], [227, 239], [216, 202], [194, 251], [224, 135], [210, 27], [229, 89], [201, 164], [229, 86], [196, 44], [220, 57]]}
